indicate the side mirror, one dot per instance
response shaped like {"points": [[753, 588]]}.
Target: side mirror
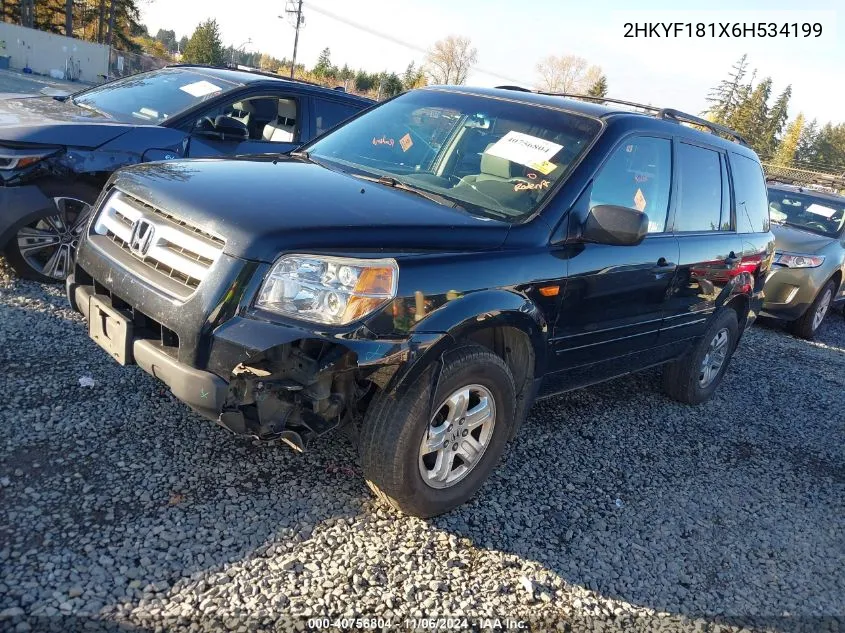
{"points": [[615, 225], [224, 128]]}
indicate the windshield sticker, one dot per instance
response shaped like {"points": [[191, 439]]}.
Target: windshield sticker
{"points": [[544, 167], [201, 88], [532, 186], [405, 142], [818, 209], [639, 201], [524, 149], [383, 141]]}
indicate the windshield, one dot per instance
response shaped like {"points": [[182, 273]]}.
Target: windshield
{"points": [[804, 210], [490, 156], [153, 97]]}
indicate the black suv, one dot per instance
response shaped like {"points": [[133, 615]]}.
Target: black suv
{"points": [[427, 270], [56, 153]]}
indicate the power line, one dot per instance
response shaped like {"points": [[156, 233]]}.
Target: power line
{"points": [[396, 40]]}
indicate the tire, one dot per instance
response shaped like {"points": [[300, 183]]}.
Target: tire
{"points": [[809, 323], [394, 428], [44, 250], [684, 379]]}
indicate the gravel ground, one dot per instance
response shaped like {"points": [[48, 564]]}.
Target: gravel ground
{"points": [[615, 508]]}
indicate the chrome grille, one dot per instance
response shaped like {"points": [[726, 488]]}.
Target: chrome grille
{"points": [[179, 251]]}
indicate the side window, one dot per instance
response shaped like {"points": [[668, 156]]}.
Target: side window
{"points": [[700, 199], [638, 175], [327, 114], [272, 119], [752, 209]]}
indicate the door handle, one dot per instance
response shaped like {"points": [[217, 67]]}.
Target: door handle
{"points": [[663, 266]]}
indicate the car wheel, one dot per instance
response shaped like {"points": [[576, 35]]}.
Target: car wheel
{"points": [[807, 326], [425, 460], [694, 377], [44, 250]]}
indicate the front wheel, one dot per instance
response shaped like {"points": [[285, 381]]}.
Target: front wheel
{"points": [[44, 250], [809, 323], [694, 377], [426, 460]]}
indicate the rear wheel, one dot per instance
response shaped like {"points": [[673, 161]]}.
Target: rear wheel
{"points": [[694, 377], [426, 460], [809, 323], [44, 250]]}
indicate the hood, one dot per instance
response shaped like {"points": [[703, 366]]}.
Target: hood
{"points": [[262, 208], [49, 121], [793, 240]]}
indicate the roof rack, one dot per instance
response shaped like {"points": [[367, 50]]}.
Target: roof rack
{"points": [[660, 113]]}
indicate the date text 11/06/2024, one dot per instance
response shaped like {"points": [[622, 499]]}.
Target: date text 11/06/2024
{"points": [[669, 30], [418, 624]]}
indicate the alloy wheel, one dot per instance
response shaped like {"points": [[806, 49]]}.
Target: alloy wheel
{"points": [[715, 358], [457, 436], [822, 308], [49, 245]]}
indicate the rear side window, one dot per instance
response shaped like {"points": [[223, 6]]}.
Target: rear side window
{"points": [[330, 113], [700, 190], [752, 208], [638, 175]]}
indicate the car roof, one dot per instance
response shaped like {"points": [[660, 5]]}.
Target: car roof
{"points": [[807, 191], [601, 111], [246, 77]]}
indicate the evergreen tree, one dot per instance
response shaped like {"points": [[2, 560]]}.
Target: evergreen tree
{"points": [[599, 88], [751, 116], [205, 45], [829, 147], [806, 151], [324, 63], [788, 146], [726, 97], [777, 120]]}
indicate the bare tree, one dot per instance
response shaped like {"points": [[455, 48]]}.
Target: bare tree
{"points": [[450, 60], [568, 73]]}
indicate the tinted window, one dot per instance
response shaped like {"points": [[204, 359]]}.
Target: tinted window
{"points": [[824, 215], [752, 209], [153, 97], [699, 205], [638, 176], [267, 118], [330, 113], [492, 157]]}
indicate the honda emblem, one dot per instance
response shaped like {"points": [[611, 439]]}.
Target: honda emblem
{"points": [[142, 237]]}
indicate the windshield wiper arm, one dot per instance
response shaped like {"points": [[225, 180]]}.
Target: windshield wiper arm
{"points": [[390, 181]]}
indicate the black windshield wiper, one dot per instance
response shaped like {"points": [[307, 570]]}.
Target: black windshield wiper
{"points": [[390, 181]]}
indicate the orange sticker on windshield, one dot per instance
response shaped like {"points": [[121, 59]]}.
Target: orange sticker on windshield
{"points": [[639, 201], [405, 142]]}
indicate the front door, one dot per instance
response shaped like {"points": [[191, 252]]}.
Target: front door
{"points": [[272, 120], [614, 297]]}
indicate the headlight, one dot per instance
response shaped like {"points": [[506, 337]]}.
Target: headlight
{"points": [[796, 260], [333, 290], [18, 159]]}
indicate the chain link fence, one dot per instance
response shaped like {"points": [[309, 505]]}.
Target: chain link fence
{"points": [[123, 63]]}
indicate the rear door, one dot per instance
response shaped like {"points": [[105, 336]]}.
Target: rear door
{"points": [[614, 297], [704, 222]]}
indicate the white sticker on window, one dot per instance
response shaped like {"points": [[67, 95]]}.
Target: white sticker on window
{"points": [[524, 149], [818, 209], [201, 88]]}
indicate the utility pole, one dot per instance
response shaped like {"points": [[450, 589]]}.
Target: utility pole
{"points": [[294, 12]]}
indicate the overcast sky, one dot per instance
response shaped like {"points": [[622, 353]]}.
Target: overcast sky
{"points": [[512, 36]]}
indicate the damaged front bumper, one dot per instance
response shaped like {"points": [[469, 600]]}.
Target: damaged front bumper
{"points": [[261, 379]]}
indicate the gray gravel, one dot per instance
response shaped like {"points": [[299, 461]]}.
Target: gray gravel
{"points": [[615, 508]]}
